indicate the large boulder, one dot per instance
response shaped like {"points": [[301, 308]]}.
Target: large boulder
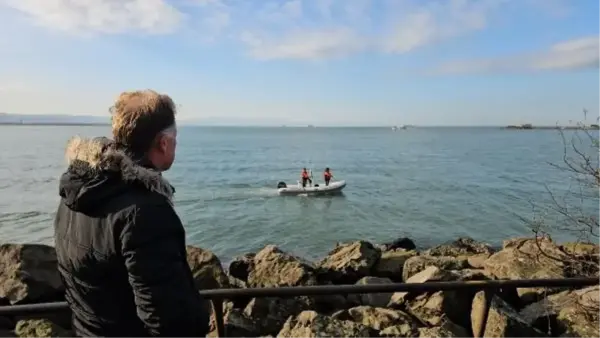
{"points": [[312, 324], [568, 313], [528, 258], [236, 323], [464, 246], [348, 262], [391, 263], [502, 319], [446, 330], [429, 274], [40, 328], [206, 268], [372, 299], [241, 266], [434, 308], [394, 322], [269, 314], [29, 274], [275, 268], [416, 264], [581, 248]]}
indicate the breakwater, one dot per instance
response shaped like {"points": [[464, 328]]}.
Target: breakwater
{"points": [[30, 276]]}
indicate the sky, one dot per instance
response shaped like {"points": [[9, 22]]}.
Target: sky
{"points": [[321, 62]]}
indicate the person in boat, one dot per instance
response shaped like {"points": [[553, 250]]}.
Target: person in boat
{"points": [[327, 175], [305, 177]]}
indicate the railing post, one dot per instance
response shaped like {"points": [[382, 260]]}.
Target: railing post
{"points": [[217, 305], [488, 294]]}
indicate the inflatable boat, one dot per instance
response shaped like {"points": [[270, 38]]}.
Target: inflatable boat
{"points": [[332, 189]]}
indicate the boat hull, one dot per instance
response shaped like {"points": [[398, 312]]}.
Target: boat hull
{"points": [[295, 190]]}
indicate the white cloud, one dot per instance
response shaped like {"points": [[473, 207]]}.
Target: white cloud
{"points": [[312, 45], [100, 16], [281, 29], [436, 21], [581, 53]]}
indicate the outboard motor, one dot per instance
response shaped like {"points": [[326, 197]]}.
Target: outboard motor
{"points": [[281, 185]]}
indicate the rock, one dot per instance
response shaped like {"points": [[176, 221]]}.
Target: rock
{"points": [[570, 313], [236, 323], [502, 320], [477, 261], [29, 274], [40, 328], [239, 325], [241, 266], [463, 246], [206, 268], [404, 330], [275, 268], [372, 299], [579, 318], [580, 249], [583, 261], [430, 274], [400, 243], [379, 319], [448, 330], [521, 259], [434, 308], [391, 263], [312, 324], [417, 264], [271, 313], [472, 274], [349, 262]]}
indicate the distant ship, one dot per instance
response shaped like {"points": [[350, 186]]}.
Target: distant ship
{"points": [[395, 128]]}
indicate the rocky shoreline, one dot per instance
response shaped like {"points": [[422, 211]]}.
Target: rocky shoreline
{"points": [[29, 275]]}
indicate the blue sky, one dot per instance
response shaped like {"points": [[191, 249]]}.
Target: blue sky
{"points": [[325, 62]]}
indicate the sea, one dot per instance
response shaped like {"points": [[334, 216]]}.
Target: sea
{"points": [[429, 184]]}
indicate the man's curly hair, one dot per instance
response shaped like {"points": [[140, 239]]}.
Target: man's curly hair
{"points": [[138, 116]]}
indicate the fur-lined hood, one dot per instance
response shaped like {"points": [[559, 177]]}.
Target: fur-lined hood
{"points": [[88, 156]]}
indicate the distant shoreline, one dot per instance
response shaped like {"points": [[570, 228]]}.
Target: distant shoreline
{"points": [[53, 124], [73, 124]]}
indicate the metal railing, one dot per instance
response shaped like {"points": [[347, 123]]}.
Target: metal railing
{"points": [[490, 287]]}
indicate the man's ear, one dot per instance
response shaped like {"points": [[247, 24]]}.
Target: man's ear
{"points": [[163, 143]]}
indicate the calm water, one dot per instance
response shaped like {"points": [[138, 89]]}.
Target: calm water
{"points": [[430, 184]]}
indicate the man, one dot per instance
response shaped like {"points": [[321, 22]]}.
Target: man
{"points": [[120, 244], [305, 177], [327, 175]]}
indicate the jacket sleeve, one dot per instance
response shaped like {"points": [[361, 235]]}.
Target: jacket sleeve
{"points": [[154, 253]]}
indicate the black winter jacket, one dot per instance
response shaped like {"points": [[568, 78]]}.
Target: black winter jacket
{"points": [[121, 248]]}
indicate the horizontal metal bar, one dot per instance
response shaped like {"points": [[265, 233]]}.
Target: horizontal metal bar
{"points": [[294, 291]]}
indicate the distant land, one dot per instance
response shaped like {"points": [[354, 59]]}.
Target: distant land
{"points": [[82, 120], [71, 120], [53, 120]]}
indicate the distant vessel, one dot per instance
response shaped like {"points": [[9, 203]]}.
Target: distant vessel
{"points": [[395, 128], [334, 188]]}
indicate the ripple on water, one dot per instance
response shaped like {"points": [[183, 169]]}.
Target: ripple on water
{"points": [[428, 184]]}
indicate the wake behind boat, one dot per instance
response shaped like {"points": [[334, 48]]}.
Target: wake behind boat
{"points": [[333, 188]]}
